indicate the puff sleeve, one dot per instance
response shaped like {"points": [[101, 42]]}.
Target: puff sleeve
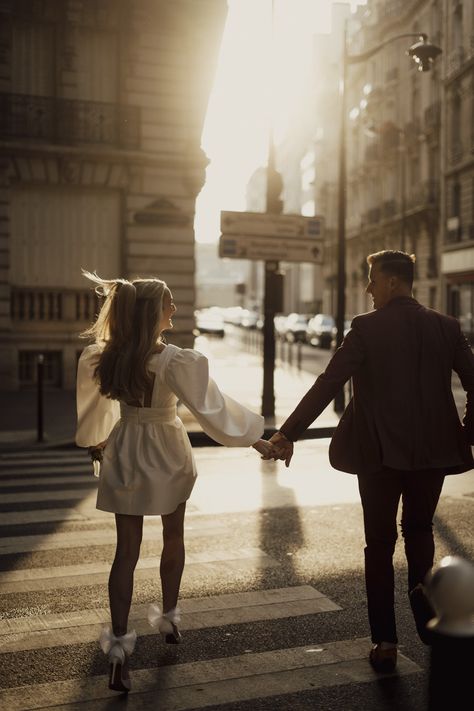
{"points": [[222, 418], [96, 414]]}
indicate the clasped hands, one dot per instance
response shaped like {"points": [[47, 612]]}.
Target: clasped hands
{"points": [[277, 447]]}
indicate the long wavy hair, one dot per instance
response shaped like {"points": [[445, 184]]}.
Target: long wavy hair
{"points": [[127, 330]]}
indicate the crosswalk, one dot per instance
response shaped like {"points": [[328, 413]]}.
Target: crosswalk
{"points": [[55, 552]]}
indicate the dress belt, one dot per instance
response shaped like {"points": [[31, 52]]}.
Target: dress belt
{"points": [[146, 415]]}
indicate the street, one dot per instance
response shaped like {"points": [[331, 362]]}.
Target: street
{"points": [[273, 597]]}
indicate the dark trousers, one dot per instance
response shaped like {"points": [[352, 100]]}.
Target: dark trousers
{"points": [[380, 495]]}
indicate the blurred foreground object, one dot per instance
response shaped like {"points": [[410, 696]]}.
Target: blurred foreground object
{"points": [[450, 588], [97, 455]]}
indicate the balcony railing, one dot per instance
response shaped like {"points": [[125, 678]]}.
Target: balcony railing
{"points": [[389, 209], [423, 196], [455, 152], [43, 304], [68, 121]]}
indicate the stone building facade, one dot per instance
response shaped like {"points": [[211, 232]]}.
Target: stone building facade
{"points": [[101, 110], [457, 253], [394, 149], [410, 159]]}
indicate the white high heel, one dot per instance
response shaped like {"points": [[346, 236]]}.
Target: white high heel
{"points": [[167, 623], [118, 650]]}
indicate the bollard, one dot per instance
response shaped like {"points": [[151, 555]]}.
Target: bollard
{"points": [[40, 398], [450, 589], [299, 354]]}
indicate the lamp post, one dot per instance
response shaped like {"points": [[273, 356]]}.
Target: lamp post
{"points": [[423, 53], [273, 287]]}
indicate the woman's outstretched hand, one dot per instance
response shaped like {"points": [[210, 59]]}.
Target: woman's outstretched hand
{"points": [[265, 448]]}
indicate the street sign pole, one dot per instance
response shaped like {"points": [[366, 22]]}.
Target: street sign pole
{"points": [[272, 286]]}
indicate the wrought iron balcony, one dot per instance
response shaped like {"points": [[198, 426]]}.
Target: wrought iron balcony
{"points": [[389, 209], [423, 196], [66, 121]]}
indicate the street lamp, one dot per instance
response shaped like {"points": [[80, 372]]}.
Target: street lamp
{"points": [[423, 53]]}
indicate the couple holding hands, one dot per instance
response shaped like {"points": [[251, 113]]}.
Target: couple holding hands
{"points": [[400, 435]]}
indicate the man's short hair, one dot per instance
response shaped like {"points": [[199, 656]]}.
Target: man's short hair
{"points": [[395, 263]]}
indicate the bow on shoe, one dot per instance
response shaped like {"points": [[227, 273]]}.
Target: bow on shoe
{"points": [[164, 621], [121, 646]]}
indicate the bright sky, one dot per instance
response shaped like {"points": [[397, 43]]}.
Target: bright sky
{"points": [[236, 131]]}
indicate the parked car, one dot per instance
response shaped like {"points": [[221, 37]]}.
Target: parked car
{"points": [[249, 319], [320, 331], [233, 314], [347, 325], [210, 321], [279, 323], [295, 327]]}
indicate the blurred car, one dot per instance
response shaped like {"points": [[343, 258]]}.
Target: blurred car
{"points": [[279, 323], [210, 321], [295, 327], [320, 331], [233, 314], [347, 325], [249, 319]]}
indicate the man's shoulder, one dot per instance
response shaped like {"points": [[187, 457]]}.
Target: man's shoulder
{"points": [[379, 316]]}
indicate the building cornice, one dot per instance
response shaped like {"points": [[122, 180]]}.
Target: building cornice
{"points": [[83, 153]]}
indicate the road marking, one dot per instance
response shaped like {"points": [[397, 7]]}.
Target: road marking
{"points": [[32, 496], [215, 682], [152, 531], [14, 482], [68, 576], [197, 613]]}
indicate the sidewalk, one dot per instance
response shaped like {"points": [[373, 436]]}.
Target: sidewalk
{"points": [[241, 378]]}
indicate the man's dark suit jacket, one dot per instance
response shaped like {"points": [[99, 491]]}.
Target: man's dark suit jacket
{"points": [[402, 414]]}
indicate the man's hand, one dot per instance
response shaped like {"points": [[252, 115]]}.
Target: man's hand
{"points": [[282, 446]]}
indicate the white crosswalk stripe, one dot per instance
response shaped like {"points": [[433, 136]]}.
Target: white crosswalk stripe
{"points": [[208, 683], [177, 687]]}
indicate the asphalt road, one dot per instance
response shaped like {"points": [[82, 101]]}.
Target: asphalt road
{"points": [[273, 600]]}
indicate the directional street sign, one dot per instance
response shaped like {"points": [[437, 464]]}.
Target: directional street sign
{"points": [[280, 249], [262, 223]]}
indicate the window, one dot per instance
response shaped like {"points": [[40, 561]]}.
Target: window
{"points": [[456, 126], [456, 200], [32, 59]]}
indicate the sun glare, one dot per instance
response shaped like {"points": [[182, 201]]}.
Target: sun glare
{"points": [[261, 81]]}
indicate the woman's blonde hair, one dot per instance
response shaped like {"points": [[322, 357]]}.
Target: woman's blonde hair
{"points": [[127, 330]]}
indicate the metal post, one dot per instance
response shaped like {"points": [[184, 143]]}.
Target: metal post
{"points": [[339, 400], [274, 206], [403, 191], [39, 397]]}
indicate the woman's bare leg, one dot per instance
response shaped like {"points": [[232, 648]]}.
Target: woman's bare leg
{"points": [[129, 538], [172, 557]]}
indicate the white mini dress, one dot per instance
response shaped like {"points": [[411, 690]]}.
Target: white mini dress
{"points": [[148, 466]]}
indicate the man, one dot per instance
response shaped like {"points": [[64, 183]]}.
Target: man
{"points": [[400, 433]]}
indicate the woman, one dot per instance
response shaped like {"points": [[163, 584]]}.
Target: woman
{"points": [[128, 384]]}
